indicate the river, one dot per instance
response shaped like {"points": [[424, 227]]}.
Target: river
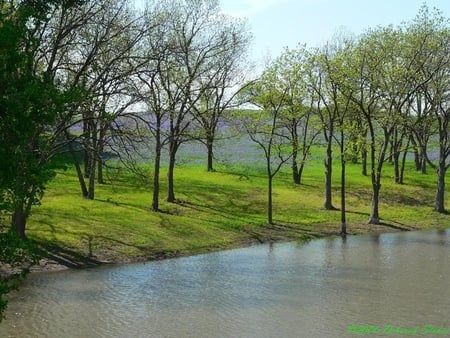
{"points": [[375, 285]]}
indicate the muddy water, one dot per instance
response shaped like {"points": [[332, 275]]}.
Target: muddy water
{"points": [[386, 285]]}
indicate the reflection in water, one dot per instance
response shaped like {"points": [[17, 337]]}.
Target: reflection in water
{"points": [[316, 289]]}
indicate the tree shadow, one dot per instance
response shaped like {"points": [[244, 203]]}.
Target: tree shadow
{"points": [[64, 256], [398, 226], [77, 260], [357, 213]]}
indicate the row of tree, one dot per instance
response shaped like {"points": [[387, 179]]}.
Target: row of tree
{"points": [[86, 77], [378, 96]]}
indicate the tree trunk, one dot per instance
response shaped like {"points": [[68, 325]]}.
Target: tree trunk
{"points": [[100, 149], [440, 193], [87, 148], [87, 163], [77, 165], [392, 151], [364, 153], [295, 170], [269, 200], [300, 172], [92, 159], [376, 169], [170, 183], [364, 162], [155, 200], [91, 191], [328, 205], [423, 163], [416, 153], [417, 160], [374, 214], [81, 180], [402, 168], [343, 207], [396, 159], [209, 146], [100, 179], [19, 221]]}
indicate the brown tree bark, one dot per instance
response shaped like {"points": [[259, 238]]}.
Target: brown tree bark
{"points": [[440, 192], [269, 200], [170, 178], [155, 198], [19, 221], [210, 149], [343, 206], [328, 205], [374, 217]]}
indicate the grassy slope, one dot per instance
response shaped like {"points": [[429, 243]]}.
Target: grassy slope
{"points": [[219, 210]]}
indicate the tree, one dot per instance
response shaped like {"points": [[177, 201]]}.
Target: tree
{"points": [[90, 45], [224, 72], [335, 61], [421, 127], [431, 31], [264, 128], [30, 103], [151, 88], [327, 111], [373, 62], [197, 37], [299, 106], [108, 80]]}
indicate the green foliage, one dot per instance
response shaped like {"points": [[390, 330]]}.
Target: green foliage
{"points": [[29, 105], [16, 256]]}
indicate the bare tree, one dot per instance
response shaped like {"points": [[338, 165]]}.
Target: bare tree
{"points": [[264, 128], [335, 59], [89, 45], [224, 73], [327, 93], [197, 37], [153, 87]]}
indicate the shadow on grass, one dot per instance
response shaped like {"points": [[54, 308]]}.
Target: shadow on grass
{"points": [[223, 199], [64, 256], [86, 257], [398, 226], [357, 213]]}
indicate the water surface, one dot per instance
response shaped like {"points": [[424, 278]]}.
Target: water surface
{"points": [[317, 289]]}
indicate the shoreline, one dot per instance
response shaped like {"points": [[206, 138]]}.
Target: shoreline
{"points": [[53, 263], [214, 211]]}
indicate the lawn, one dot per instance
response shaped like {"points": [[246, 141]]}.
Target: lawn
{"points": [[217, 210]]}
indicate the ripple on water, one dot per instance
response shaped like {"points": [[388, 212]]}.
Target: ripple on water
{"points": [[285, 290]]}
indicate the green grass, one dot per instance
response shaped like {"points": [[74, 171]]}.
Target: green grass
{"points": [[218, 210]]}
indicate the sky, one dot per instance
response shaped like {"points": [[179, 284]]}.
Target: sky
{"points": [[286, 23], [276, 24]]}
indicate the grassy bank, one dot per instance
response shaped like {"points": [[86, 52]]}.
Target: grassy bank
{"points": [[217, 210]]}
